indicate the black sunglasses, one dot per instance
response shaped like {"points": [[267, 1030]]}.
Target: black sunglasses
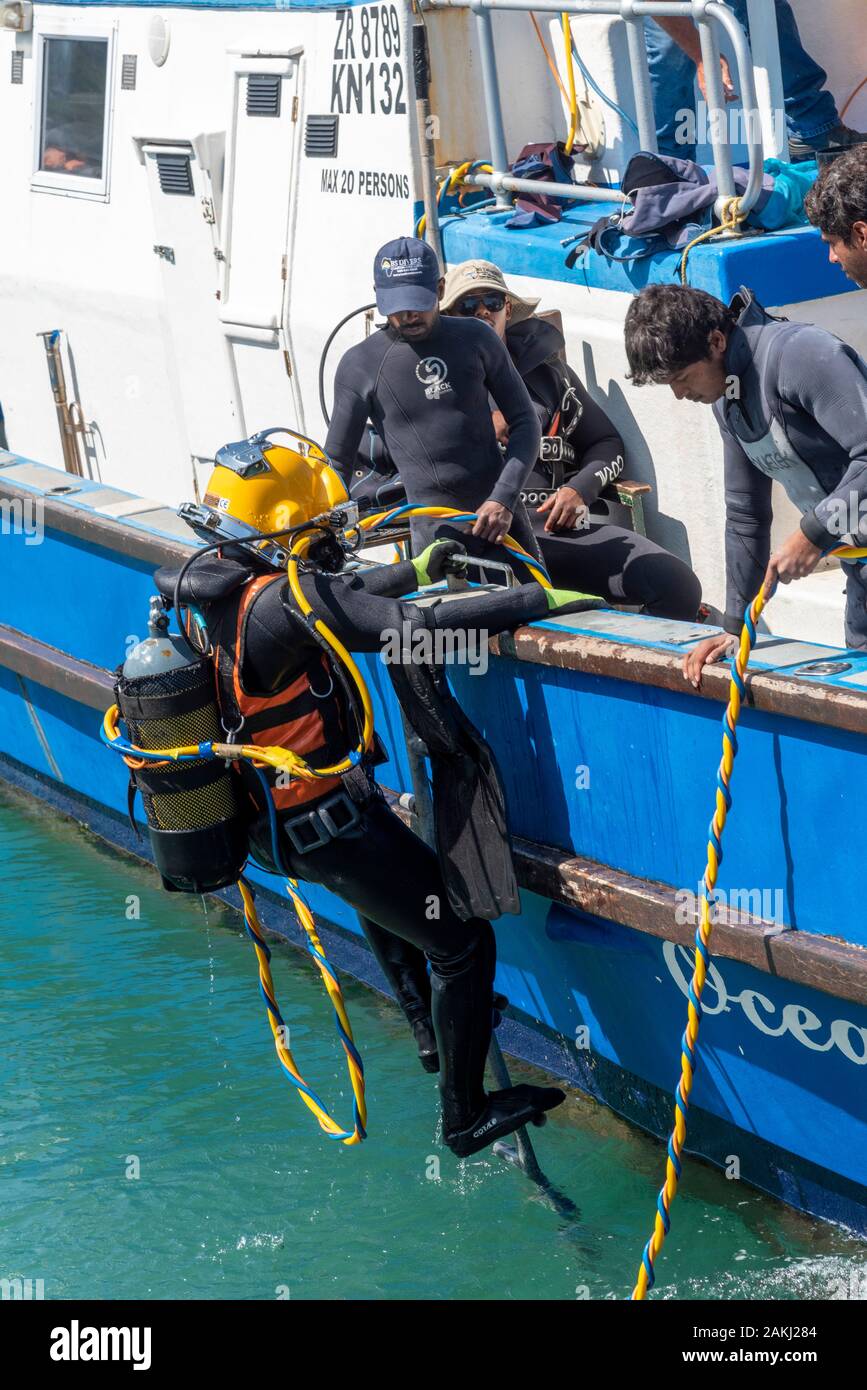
{"points": [[469, 306]]}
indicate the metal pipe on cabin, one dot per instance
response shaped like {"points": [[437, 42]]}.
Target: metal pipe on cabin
{"points": [[716, 108], [685, 9], [491, 88], [765, 48], [551, 190], [57, 378], [421, 77], [747, 86], [644, 115], [675, 8]]}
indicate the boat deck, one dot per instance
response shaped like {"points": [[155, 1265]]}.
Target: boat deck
{"points": [[780, 266]]}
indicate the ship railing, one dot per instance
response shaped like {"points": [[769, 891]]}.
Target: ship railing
{"points": [[757, 68]]}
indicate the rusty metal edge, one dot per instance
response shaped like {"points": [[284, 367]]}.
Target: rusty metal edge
{"points": [[770, 692], [104, 531], [824, 963]]}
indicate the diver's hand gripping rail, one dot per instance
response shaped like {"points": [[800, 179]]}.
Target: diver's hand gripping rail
{"points": [[386, 518]]}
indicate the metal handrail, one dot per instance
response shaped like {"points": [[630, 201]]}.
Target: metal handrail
{"points": [[509, 184], [705, 13]]}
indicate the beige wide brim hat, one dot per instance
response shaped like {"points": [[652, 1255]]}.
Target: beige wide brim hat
{"points": [[474, 277]]}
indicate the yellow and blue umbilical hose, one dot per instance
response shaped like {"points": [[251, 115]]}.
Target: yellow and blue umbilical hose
{"points": [[454, 182], [689, 1041], [279, 1030], [283, 760]]}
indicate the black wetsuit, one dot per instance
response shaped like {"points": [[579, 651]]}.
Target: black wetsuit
{"points": [[380, 867], [428, 401], [599, 557], [799, 416]]}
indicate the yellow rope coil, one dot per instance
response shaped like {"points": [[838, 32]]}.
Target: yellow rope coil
{"points": [[731, 219]]}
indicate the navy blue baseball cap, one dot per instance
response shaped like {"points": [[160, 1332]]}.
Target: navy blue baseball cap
{"points": [[406, 275]]}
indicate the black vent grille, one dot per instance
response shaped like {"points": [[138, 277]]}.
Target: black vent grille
{"points": [[17, 65], [175, 173], [320, 137], [263, 94], [128, 72]]}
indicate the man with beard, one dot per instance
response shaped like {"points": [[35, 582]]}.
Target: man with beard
{"points": [[790, 400], [425, 382], [837, 205]]}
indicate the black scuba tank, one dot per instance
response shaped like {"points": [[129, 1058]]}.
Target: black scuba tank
{"points": [[166, 695]]}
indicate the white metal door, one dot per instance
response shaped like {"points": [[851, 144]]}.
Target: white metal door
{"points": [[260, 180], [185, 240]]}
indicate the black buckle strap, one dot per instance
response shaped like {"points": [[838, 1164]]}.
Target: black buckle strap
{"points": [[333, 816], [554, 452]]}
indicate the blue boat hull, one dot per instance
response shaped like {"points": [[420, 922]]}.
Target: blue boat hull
{"points": [[780, 1099]]}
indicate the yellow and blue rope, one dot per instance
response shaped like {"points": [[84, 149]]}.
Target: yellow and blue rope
{"points": [[287, 1061], [689, 1041], [449, 185]]}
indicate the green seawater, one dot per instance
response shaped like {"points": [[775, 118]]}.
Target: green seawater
{"points": [[151, 1146]]}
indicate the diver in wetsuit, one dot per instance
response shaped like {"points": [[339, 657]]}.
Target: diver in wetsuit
{"points": [[790, 400], [275, 686], [424, 381], [580, 551]]}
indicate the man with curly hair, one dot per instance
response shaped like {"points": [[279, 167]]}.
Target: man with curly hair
{"points": [[790, 400], [837, 205]]}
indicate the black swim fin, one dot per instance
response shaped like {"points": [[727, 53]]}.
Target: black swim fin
{"points": [[504, 1112], [471, 826]]}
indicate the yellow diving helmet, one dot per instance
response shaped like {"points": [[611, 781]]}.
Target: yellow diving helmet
{"points": [[258, 487]]}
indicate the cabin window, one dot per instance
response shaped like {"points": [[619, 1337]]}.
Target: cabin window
{"points": [[73, 105]]}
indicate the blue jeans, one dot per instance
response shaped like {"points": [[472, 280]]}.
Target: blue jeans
{"points": [[810, 109]]}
